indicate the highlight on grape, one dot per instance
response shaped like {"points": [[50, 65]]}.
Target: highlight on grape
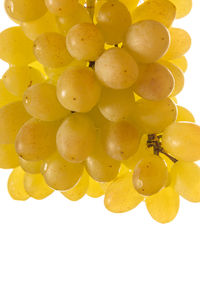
{"points": [[88, 104]]}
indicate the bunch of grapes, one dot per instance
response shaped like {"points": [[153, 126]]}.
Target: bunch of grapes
{"points": [[88, 104]]}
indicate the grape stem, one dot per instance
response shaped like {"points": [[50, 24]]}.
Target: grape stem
{"points": [[90, 5]]}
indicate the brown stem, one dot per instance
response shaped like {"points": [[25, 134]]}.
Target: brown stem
{"points": [[90, 5]]}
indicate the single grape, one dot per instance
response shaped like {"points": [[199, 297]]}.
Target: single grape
{"points": [[182, 7], [36, 186], [8, 157], [184, 115], [32, 167], [5, 96], [62, 8], [95, 189], [181, 62], [16, 185]]}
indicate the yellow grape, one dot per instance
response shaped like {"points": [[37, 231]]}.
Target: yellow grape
{"points": [[46, 23], [121, 196], [163, 206], [186, 180], [22, 11], [116, 105], [122, 140], [36, 139], [147, 40], [60, 174], [79, 190], [184, 115], [18, 79], [95, 189], [32, 167], [154, 116], [16, 185], [12, 117], [5, 96], [50, 50], [62, 8], [15, 47], [181, 62], [155, 82], [158, 10], [182, 7], [40, 101], [36, 186], [130, 4], [8, 156], [180, 43], [150, 175], [78, 89], [116, 69], [76, 138], [113, 20], [182, 140]]}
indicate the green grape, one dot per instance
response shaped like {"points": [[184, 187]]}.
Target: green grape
{"points": [[155, 82], [163, 206], [15, 47], [18, 79], [184, 115], [8, 156], [150, 175], [76, 138], [5, 96], [79, 190], [24, 10], [154, 116], [16, 185], [178, 77], [60, 174], [181, 62], [147, 40], [113, 20], [186, 180], [121, 196], [122, 140], [78, 89], [36, 186], [12, 117], [36, 139], [62, 8], [41, 102], [177, 135], [50, 50], [180, 43], [182, 7], [116, 69], [158, 10], [116, 105], [32, 167], [95, 189], [46, 23]]}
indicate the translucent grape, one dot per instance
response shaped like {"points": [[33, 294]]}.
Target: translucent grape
{"points": [[50, 50], [121, 196], [60, 174], [36, 186], [116, 69], [62, 8], [147, 40], [177, 135], [16, 185], [76, 138], [182, 7], [78, 89], [5, 96], [163, 206], [32, 167], [184, 115], [8, 157], [181, 62], [95, 189]]}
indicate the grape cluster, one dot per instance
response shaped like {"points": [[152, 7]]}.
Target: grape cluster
{"points": [[88, 104]]}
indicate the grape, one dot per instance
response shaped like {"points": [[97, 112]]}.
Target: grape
{"points": [[182, 7], [36, 186], [32, 167], [147, 40], [121, 196], [150, 175], [76, 138], [5, 96], [122, 140], [186, 180], [116, 69], [177, 135], [116, 105], [78, 89], [130, 4], [18, 79], [36, 139], [60, 174], [184, 115], [41, 102], [50, 50], [100, 122], [155, 82], [95, 189], [154, 116], [79, 190], [180, 43], [12, 117], [62, 8], [24, 10], [181, 62], [8, 157], [15, 47], [16, 185], [113, 20], [163, 206], [158, 10]]}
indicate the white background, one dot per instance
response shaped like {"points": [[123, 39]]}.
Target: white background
{"points": [[57, 249]]}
